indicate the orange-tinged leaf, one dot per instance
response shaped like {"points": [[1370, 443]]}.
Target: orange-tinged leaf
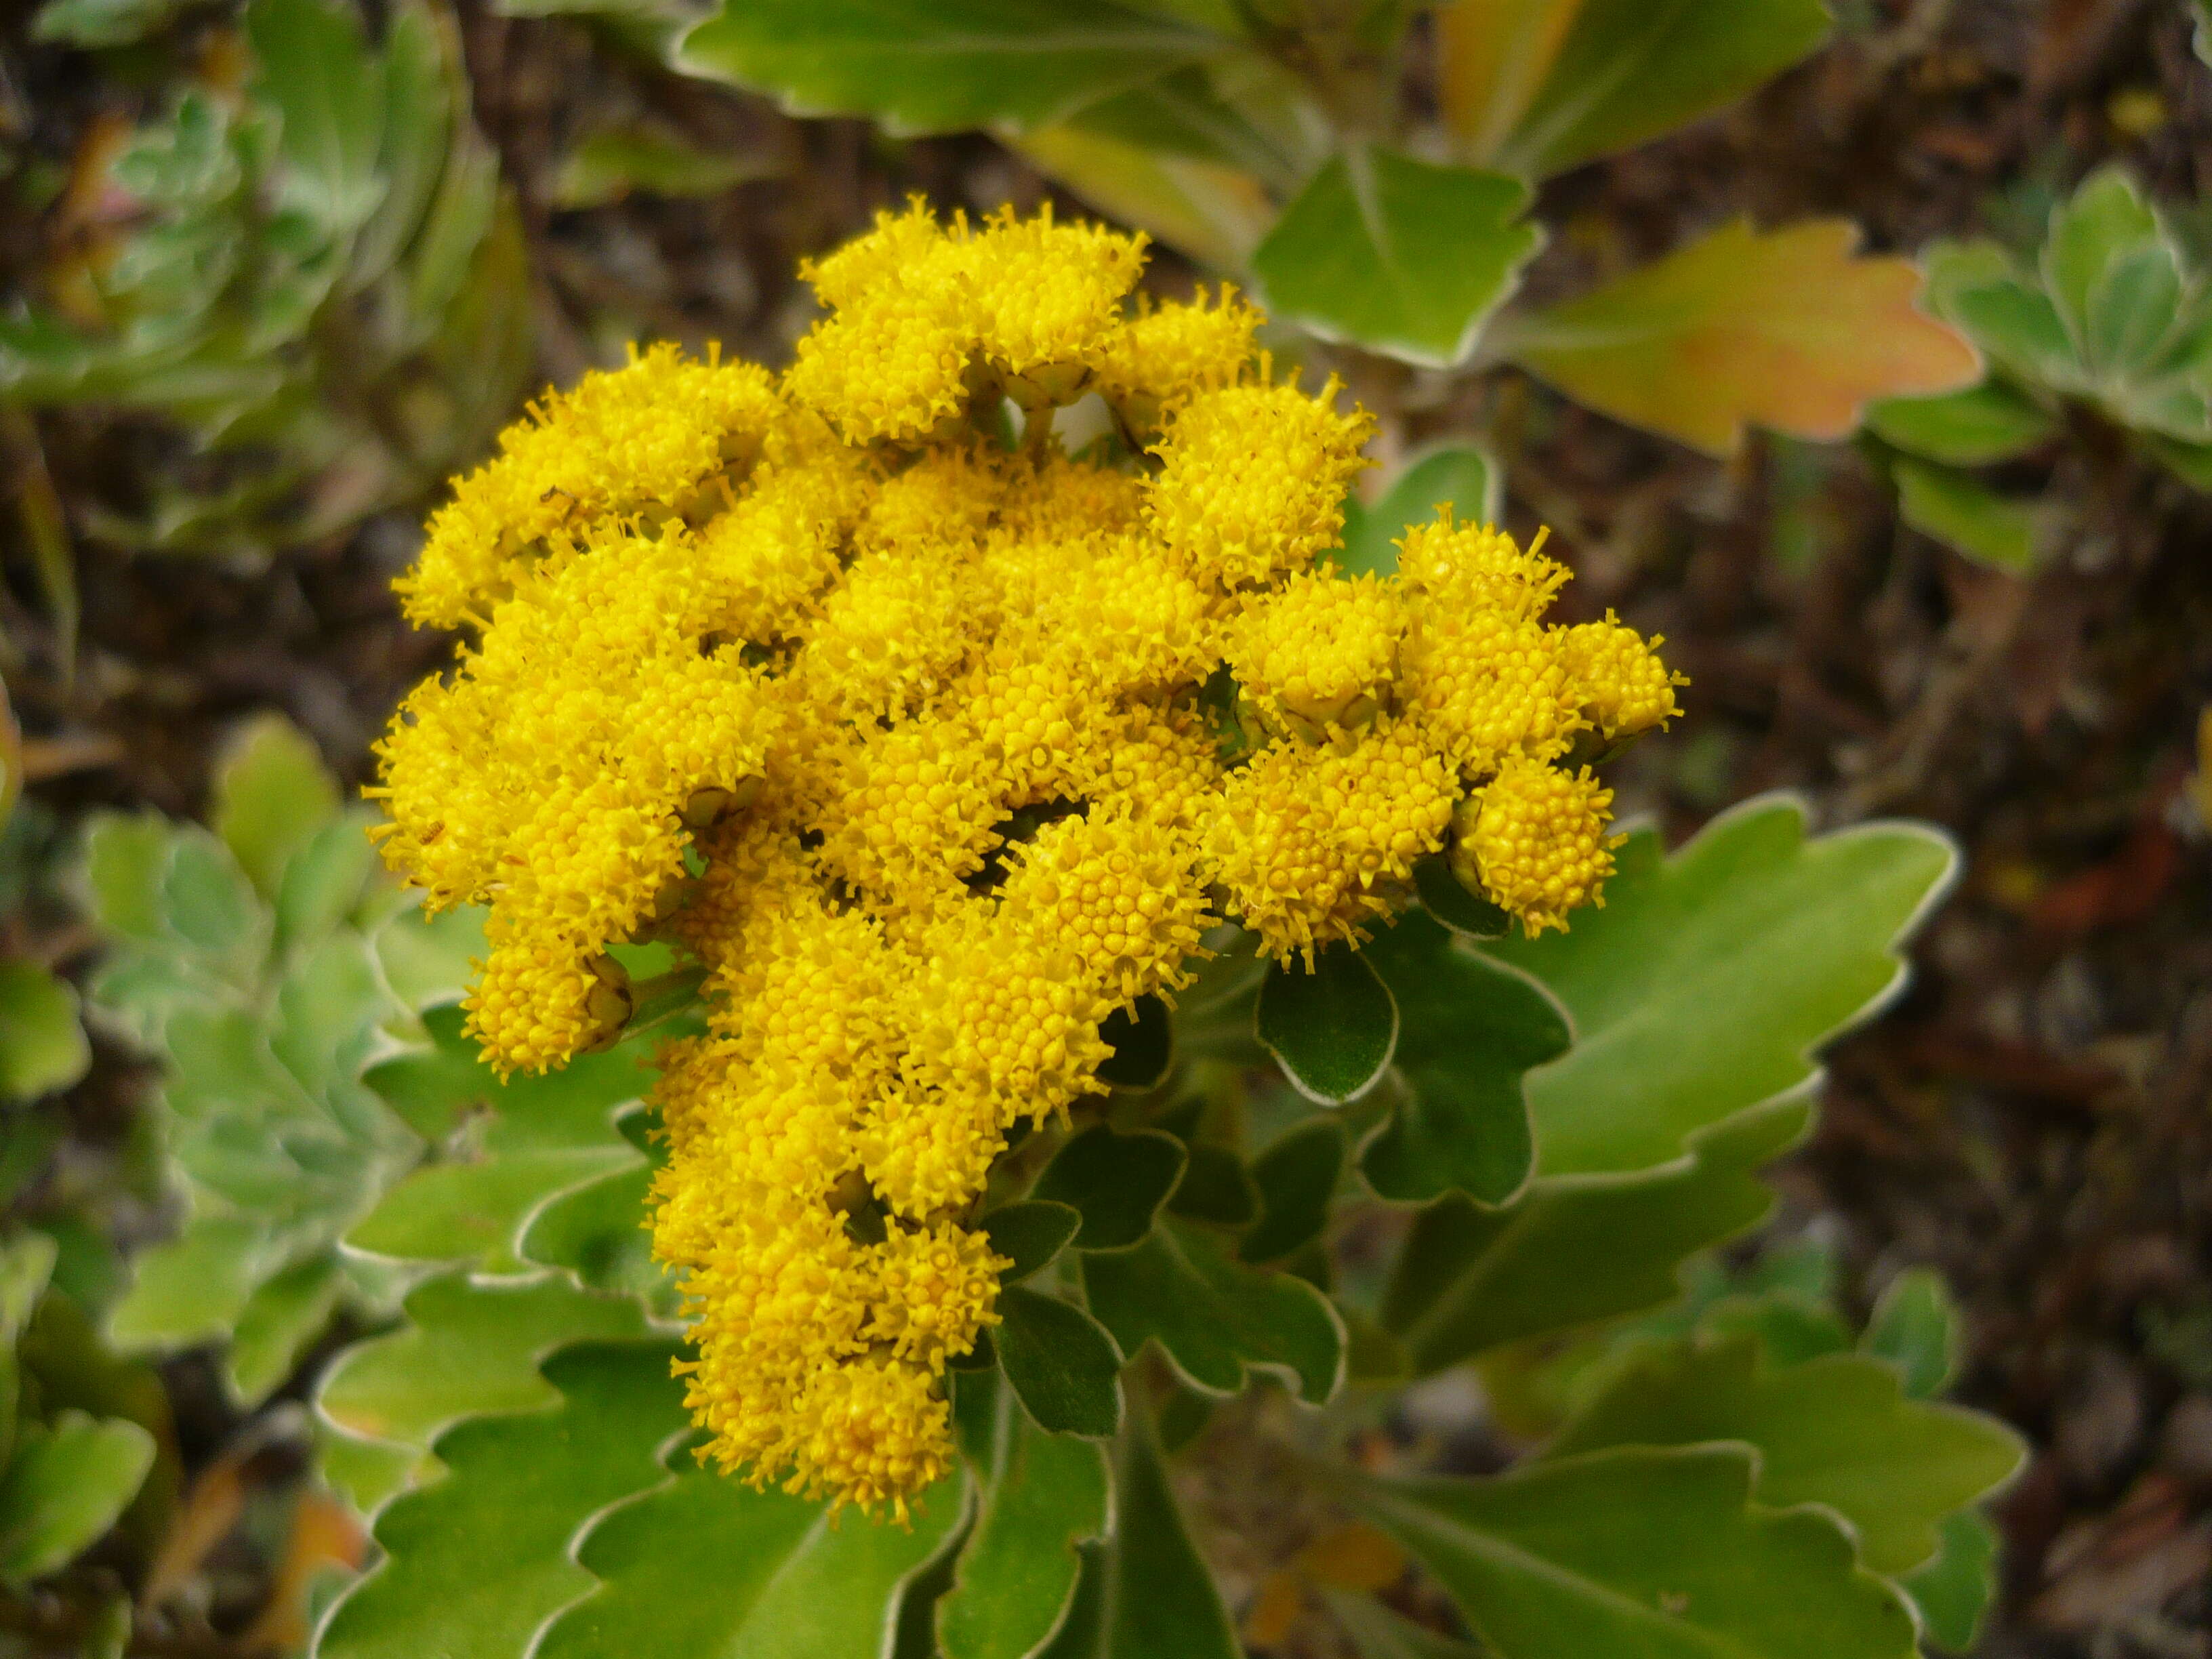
{"points": [[1357, 1557], [1492, 56], [1789, 329], [1274, 1610]]}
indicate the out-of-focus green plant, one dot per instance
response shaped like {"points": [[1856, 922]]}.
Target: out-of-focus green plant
{"points": [[2108, 323], [318, 287], [1370, 166], [266, 962], [66, 1474], [42, 1046]]}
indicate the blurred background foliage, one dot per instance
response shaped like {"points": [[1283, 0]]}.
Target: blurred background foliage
{"points": [[275, 270]]}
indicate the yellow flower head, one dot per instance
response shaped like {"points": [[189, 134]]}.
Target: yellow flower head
{"points": [[1321, 651], [916, 743]]}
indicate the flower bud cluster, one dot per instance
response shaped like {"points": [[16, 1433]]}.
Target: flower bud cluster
{"points": [[914, 735]]}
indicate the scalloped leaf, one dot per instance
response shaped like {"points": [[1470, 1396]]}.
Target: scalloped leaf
{"points": [[1471, 1027], [477, 1562], [1789, 329], [937, 65], [272, 794], [1332, 1027], [68, 1482], [1116, 1182], [1955, 1591], [1060, 1361], [469, 1347], [1030, 1235], [1915, 1326], [1399, 255], [1658, 1552], [704, 1564], [1567, 1253], [1042, 1495], [1145, 1593], [1837, 1430], [1708, 979], [1213, 1316], [517, 1145], [1296, 1177]]}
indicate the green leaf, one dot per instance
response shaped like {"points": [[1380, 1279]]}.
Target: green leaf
{"points": [[328, 91], [1445, 898], [611, 162], [91, 24], [426, 959], [1332, 1028], [282, 1317], [66, 1484], [125, 859], [1213, 1316], [1296, 1177], [594, 1231], [1454, 476], [193, 1286], [1115, 1182], [271, 794], [1704, 985], [1060, 1361], [1145, 1593], [1643, 1550], [1030, 1235], [1915, 1328], [939, 65], [1470, 1028], [474, 1563], [468, 1347], [325, 881], [520, 1143], [2095, 231], [1399, 255], [1536, 87], [1837, 1430], [1042, 1495], [1213, 213], [42, 1046], [1142, 1037], [1215, 1186], [704, 1564], [425, 94], [1957, 510], [1567, 1253], [1988, 422], [1955, 1591]]}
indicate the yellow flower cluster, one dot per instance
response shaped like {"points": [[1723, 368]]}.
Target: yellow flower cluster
{"points": [[936, 746]]}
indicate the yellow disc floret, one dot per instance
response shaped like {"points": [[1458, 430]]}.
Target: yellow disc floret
{"points": [[936, 747]]}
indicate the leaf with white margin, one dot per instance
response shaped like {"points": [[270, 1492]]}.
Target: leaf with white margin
{"points": [[1213, 1316], [1570, 1253], [470, 1346], [1042, 1497], [1657, 1552], [1838, 1431], [1710, 978], [476, 1563]]}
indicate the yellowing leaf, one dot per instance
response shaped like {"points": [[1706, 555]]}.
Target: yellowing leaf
{"points": [[1786, 328], [1216, 214]]}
